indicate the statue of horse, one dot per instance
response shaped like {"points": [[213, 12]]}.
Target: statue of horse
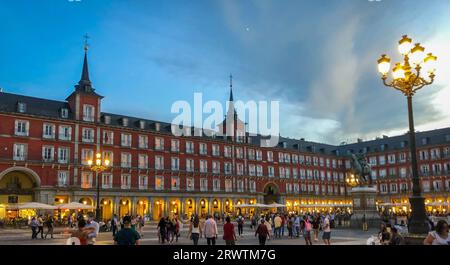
{"points": [[362, 168]]}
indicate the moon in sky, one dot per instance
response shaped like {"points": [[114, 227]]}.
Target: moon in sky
{"points": [[247, 29]]}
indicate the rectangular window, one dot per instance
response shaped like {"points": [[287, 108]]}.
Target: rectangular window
{"points": [[125, 139], [216, 184], [175, 183], [21, 107], [143, 141], [21, 128], [215, 150], [393, 188], [143, 182], [252, 185], [189, 147], [203, 166], [86, 180], [143, 161], [423, 155], [240, 185], [175, 163], [47, 153], [88, 113], [63, 155], [228, 185], [227, 151], [259, 171], [48, 131], [203, 149], [125, 181], [107, 181], [65, 133], [63, 178], [175, 145], [271, 171], [159, 143], [189, 165], [110, 156], [86, 155], [108, 137], [159, 162], [159, 183], [190, 184], [383, 188], [88, 135], [382, 160], [125, 160], [228, 168], [239, 153], [216, 167], [391, 158], [203, 184], [239, 169], [269, 156], [403, 172], [64, 113], [251, 170]]}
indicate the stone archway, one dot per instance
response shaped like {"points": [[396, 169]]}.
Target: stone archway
{"points": [[271, 193], [18, 184]]}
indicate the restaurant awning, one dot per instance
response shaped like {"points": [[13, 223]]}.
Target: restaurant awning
{"points": [[74, 206]]}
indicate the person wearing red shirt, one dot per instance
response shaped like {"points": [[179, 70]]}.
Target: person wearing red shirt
{"points": [[228, 232]]}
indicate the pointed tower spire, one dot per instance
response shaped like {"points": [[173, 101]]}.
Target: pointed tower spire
{"points": [[231, 88], [85, 83]]}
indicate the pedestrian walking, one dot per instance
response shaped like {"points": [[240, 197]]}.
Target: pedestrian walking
{"points": [[91, 223], [228, 232], [162, 230], [34, 227], [316, 227], [277, 223], [262, 233], [50, 224], [210, 230], [240, 222], [127, 235], [268, 224], [195, 231], [40, 226], [82, 233], [326, 236], [114, 224], [307, 230]]}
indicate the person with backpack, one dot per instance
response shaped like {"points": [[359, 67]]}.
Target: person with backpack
{"points": [[262, 233]]}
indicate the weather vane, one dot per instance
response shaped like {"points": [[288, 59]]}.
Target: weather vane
{"points": [[86, 45]]}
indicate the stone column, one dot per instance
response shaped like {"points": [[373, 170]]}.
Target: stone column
{"points": [[134, 206], [151, 204], [116, 205], [210, 206], [197, 206], [166, 206], [182, 206]]}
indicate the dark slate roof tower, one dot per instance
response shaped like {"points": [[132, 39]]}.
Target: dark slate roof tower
{"points": [[84, 101]]}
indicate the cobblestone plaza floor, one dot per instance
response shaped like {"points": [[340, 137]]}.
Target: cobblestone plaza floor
{"points": [[339, 236]]}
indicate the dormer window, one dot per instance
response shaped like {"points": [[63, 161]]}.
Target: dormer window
{"points": [[21, 107], [88, 113], [447, 138], [187, 131], [64, 113], [142, 125], [125, 122], [107, 119], [424, 140], [157, 126]]}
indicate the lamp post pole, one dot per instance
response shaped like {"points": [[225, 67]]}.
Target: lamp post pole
{"points": [[100, 165], [408, 80], [97, 210]]}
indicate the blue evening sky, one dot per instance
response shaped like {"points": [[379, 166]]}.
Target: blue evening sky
{"points": [[317, 57]]}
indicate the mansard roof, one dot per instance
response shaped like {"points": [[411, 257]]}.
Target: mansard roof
{"points": [[46, 108]]}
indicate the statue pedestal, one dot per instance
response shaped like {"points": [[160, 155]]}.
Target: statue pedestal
{"points": [[364, 208]]}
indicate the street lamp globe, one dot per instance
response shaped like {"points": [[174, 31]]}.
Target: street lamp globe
{"points": [[429, 64], [398, 72], [417, 54], [405, 45], [384, 64]]}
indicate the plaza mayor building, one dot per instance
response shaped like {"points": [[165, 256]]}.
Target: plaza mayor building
{"points": [[45, 146]]}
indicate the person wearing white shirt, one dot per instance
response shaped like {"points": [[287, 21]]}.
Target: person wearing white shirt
{"points": [[210, 231]]}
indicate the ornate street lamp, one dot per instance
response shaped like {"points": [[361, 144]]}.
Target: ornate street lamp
{"points": [[99, 166], [408, 77], [351, 179]]}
